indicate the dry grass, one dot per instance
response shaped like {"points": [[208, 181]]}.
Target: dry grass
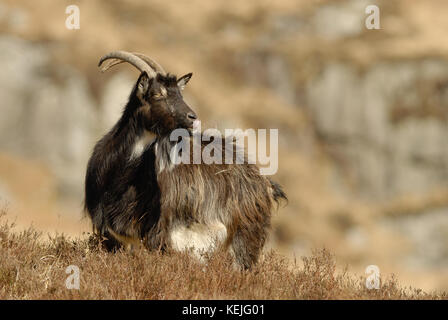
{"points": [[34, 268]]}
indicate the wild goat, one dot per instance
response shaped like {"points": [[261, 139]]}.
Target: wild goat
{"points": [[134, 193]]}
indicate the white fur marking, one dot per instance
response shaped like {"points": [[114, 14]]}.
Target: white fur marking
{"points": [[141, 144], [201, 238]]}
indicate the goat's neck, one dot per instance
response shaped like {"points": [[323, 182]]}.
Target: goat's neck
{"points": [[130, 137], [141, 143], [163, 147]]}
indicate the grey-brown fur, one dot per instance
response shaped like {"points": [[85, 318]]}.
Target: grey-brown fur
{"points": [[144, 197]]}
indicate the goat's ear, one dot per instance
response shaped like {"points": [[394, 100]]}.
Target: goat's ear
{"points": [[182, 81], [143, 83]]}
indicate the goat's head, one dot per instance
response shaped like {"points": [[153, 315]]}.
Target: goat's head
{"points": [[160, 99]]}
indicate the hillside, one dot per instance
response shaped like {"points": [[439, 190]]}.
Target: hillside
{"points": [[34, 268]]}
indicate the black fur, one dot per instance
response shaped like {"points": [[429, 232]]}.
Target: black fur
{"points": [[137, 198]]}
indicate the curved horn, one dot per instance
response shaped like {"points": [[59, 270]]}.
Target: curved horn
{"points": [[117, 57], [152, 63]]}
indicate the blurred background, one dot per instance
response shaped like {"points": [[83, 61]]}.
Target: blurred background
{"points": [[362, 114]]}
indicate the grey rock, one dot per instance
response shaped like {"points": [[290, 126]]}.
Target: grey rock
{"points": [[354, 113], [49, 112]]}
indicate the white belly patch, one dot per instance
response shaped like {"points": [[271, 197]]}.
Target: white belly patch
{"points": [[201, 238]]}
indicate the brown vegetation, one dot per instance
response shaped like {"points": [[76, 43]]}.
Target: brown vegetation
{"points": [[33, 268]]}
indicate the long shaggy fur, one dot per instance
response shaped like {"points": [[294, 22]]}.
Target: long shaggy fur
{"points": [[146, 198]]}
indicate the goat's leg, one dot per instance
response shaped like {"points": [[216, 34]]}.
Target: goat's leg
{"points": [[110, 243], [247, 244]]}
